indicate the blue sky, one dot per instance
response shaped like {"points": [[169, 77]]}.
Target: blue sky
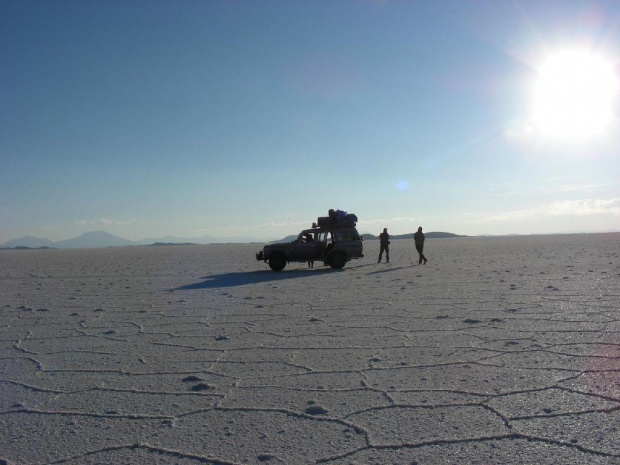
{"points": [[251, 118]]}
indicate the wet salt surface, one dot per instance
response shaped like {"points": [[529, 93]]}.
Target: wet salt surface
{"points": [[499, 350]]}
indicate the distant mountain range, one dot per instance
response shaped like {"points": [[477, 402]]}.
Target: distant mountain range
{"points": [[370, 237], [93, 239], [99, 239], [427, 235], [30, 242]]}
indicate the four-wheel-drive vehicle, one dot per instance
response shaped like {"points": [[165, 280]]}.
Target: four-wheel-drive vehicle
{"points": [[333, 244]]}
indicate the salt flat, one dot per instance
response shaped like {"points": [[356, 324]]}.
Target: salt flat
{"points": [[499, 351]]}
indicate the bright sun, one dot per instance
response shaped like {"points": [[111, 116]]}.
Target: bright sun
{"points": [[574, 95]]}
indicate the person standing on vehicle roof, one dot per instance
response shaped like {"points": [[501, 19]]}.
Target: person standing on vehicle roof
{"points": [[418, 238], [384, 241]]}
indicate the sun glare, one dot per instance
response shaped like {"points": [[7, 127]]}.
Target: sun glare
{"points": [[574, 95]]}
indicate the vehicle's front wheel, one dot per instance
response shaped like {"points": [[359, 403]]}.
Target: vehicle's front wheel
{"points": [[277, 261], [337, 260]]}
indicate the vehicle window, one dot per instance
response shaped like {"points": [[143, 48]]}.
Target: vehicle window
{"points": [[345, 236], [326, 236]]}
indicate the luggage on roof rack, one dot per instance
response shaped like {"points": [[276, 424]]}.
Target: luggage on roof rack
{"points": [[337, 217], [323, 221]]}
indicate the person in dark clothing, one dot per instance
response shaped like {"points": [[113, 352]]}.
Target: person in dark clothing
{"points": [[419, 244], [309, 239], [384, 240]]}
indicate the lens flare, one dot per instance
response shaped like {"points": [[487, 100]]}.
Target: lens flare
{"points": [[574, 95], [402, 185]]}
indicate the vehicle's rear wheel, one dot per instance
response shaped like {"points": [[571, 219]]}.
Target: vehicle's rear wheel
{"points": [[337, 260], [277, 261]]}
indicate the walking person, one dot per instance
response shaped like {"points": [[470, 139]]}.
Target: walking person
{"points": [[384, 241], [419, 244]]}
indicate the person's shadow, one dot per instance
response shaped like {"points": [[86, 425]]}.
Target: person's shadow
{"points": [[251, 277]]}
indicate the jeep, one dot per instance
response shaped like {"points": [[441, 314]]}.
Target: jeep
{"points": [[333, 244]]}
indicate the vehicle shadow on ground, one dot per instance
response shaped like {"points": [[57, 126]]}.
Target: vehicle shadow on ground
{"points": [[251, 277]]}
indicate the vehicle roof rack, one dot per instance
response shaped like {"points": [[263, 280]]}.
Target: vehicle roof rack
{"points": [[333, 226]]}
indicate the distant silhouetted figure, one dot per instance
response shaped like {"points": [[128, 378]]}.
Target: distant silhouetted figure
{"points": [[309, 238], [419, 244], [384, 241]]}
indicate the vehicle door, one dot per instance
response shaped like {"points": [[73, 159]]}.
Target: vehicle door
{"points": [[305, 247], [326, 243]]}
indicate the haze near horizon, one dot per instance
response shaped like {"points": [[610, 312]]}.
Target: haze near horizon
{"points": [[250, 119]]}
